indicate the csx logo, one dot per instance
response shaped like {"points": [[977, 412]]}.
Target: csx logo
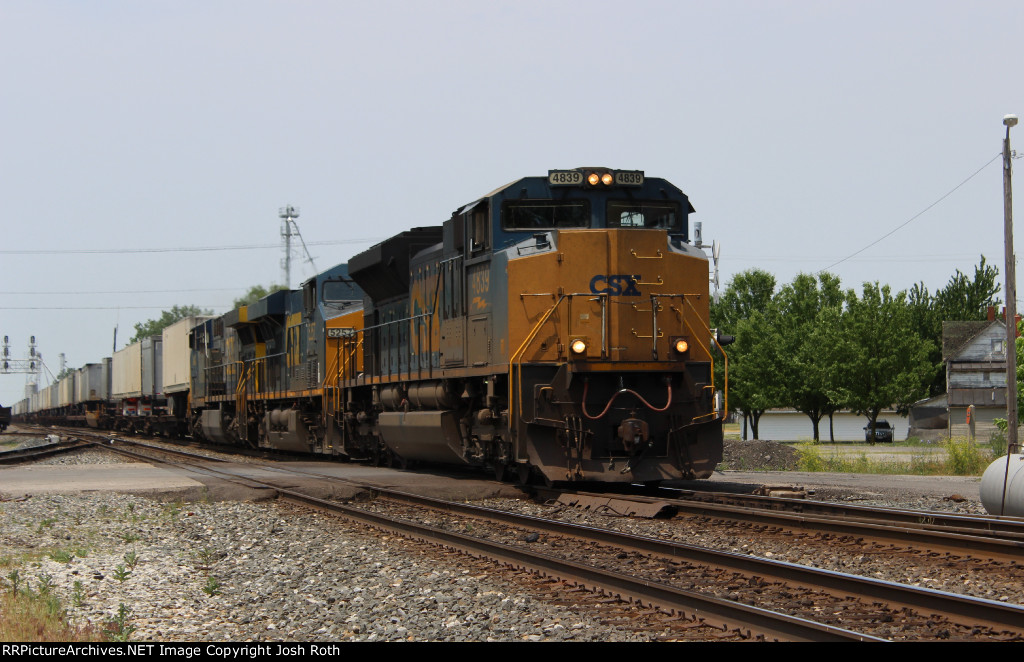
{"points": [[615, 285]]}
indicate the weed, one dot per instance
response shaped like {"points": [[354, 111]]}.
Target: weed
{"points": [[809, 458], [46, 523], [206, 558], [121, 574], [131, 559], [131, 536], [62, 556], [118, 628], [45, 583], [171, 510], [15, 578], [212, 587], [78, 594], [964, 457]]}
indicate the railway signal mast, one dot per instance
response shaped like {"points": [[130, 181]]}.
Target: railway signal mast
{"points": [[32, 366]]}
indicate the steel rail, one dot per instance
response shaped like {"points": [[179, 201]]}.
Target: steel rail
{"points": [[1004, 526], [38, 452], [957, 608], [934, 537]]}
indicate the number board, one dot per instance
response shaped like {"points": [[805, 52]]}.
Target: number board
{"points": [[341, 333], [565, 177], [629, 177]]}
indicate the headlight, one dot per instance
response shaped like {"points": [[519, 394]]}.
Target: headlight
{"points": [[578, 346], [606, 179], [680, 348], [593, 179]]}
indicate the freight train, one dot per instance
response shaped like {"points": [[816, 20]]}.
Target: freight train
{"points": [[554, 329]]}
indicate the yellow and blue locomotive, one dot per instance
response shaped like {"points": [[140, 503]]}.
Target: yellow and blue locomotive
{"points": [[556, 328]]}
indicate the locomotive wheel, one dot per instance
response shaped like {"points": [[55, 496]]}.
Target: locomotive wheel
{"points": [[500, 471], [523, 472]]}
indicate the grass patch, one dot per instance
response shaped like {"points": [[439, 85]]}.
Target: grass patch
{"points": [[963, 458], [30, 616]]}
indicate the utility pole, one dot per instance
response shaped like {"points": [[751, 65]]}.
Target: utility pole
{"points": [[1011, 293], [288, 215]]}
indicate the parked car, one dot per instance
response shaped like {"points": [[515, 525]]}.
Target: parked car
{"points": [[883, 432]]}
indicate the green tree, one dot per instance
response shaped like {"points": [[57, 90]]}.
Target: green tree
{"points": [[881, 360], [741, 312], [966, 299], [155, 327], [962, 299], [255, 293], [753, 380], [804, 374], [747, 292]]}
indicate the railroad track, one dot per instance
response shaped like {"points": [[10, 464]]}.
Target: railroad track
{"points": [[735, 592], [999, 539]]}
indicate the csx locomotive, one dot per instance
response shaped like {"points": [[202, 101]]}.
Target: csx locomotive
{"points": [[554, 329]]}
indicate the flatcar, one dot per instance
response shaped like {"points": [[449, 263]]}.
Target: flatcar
{"points": [[555, 329]]}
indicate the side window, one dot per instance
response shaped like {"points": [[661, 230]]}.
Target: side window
{"points": [[309, 297], [479, 229]]}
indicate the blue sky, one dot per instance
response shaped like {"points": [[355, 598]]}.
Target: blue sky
{"points": [[802, 131]]}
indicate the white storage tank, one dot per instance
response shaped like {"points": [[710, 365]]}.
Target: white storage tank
{"points": [[1009, 468]]}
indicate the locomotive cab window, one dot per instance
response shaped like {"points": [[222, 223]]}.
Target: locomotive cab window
{"points": [[662, 215], [338, 291], [544, 214]]}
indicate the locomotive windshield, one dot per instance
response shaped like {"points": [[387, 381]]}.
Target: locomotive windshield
{"points": [[540, 214], [663, 215], [337, 291]]}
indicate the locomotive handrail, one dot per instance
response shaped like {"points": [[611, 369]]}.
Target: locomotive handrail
{"points": [[517, 356], [725, 385]]}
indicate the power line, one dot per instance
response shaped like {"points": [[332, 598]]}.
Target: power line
{"points": [[205, 289], [180, 249], [96, 307], [915, 216]]}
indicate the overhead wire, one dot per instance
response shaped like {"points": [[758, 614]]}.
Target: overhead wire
{"points": [[915, 216], [180, 249]]}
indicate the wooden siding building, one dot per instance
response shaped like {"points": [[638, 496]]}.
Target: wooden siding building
{"points": [[975, 357]]}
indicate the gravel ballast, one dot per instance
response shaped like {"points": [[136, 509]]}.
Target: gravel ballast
{"points": [[264, 572], [268, 571]]}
